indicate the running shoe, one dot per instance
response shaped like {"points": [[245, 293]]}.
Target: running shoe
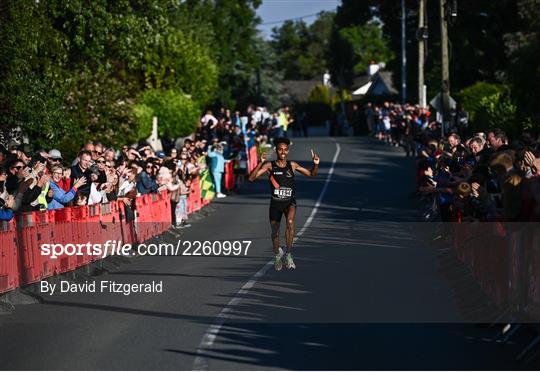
{"points": [[278, 264], [220, 195], [289, 263]]}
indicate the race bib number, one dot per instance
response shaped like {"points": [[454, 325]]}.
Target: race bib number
{"points": [[283, 193]]}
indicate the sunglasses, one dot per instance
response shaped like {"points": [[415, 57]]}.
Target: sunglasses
{"points": [[55, 159], [101, 161], [17, 167]]}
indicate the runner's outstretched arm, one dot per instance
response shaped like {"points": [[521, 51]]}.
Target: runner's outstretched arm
{"points": [[260, 169], [309, 173]]}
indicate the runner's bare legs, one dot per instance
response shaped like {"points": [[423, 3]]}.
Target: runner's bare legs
{"points": [[289, 230], [274, 225]]}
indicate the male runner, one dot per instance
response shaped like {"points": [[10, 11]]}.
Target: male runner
{"points": [[281, 175]]}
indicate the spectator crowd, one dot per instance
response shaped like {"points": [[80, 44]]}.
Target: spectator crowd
{"points": [[44, 180], [465, 175]]}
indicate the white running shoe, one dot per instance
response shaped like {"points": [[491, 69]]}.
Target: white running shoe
{"points": [[289, 263], [220, 195], [278, 263]]}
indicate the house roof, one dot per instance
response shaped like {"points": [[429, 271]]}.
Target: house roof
{"points": [[298, 90], [381, 84]]}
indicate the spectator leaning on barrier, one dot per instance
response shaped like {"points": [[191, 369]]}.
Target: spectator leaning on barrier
{"points": [[127, 190], [112, 188], [6, 213], [61, 198], [82, 169], [146, 183], [27, 197], [16, 174], [510, 182], [6, 200], [96, 194]]}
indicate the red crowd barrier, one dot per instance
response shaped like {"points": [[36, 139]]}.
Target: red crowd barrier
{"points": [[33, 230], [21, 261], [505, 262], [94, 226], [82, 233], [9, 257], [194, 201], [532, 275], [253, 159], [144, 218], [63, 233], [162, 214], [486, 254], [229, 175]]}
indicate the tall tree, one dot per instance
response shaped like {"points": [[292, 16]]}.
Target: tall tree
{"points": [[233, 25], [75, 69], [523, 50], [302, 49]]}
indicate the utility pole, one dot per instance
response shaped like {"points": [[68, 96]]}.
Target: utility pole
{"points": [[445, 81], [421, 36], [403, 55]]}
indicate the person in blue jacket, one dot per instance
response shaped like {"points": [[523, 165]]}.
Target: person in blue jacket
{"points": [[146, 182], [6, 200], [6, 214], [217, 167], [60, 197]]}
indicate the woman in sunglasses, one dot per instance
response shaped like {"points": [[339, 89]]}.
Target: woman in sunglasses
{"points": [[16, 173]]}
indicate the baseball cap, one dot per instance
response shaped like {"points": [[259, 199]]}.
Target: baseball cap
{"points": [[55, 154]]}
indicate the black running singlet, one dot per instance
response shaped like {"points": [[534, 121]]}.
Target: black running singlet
{"points": [[282, 182]]}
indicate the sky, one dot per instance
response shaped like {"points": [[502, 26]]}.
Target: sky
{"points": [[272, 11]]}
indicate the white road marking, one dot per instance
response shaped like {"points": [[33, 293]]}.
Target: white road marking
{"points": [[200, 363]]}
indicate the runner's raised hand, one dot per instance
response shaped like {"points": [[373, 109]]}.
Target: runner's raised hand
{"points": [[315, 157]]}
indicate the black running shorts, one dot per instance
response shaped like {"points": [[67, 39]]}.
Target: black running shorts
{"points": [[277, 209]]}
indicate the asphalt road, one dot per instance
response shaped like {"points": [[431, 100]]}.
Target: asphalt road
{"points": [[368, 292]]}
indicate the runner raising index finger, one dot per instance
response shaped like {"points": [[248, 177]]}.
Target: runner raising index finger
{"points": [[283, 201]]}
